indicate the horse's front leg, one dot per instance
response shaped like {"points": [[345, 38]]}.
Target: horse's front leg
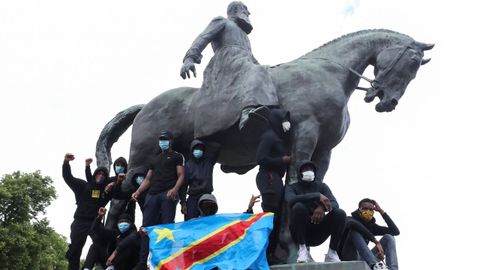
{"points": [[304, 141], [321, 158]]}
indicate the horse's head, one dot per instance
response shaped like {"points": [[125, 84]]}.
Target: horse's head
{"points": [[395, 67]]}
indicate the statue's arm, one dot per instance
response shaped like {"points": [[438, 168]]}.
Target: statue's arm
{"points": [[215, 27]]}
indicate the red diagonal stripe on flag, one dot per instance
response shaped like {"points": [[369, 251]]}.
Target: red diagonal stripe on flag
{"points": [[210, 245]]}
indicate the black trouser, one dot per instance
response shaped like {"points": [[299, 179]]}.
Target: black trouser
{"points": [[305, 232], [97, 253], [127, 259], [271, 188], [192, 207], [78, 235]]}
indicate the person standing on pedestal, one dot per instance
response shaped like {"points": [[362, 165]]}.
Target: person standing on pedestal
{"points": [[198, 177], [89, 197], [164, 179], [273, 159]]}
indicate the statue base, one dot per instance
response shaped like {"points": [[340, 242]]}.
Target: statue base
{"points": [[354, 265]]}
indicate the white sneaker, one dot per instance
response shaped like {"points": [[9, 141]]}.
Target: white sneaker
{"points": [[332, 256], [380, 266], [310, 258], [302, 254]]}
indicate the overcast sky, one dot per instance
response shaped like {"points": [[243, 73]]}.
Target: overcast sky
{"points": [[67, 67]]}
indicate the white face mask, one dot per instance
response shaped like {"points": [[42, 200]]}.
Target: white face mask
{"points": [[308, 176], [286, 126]]}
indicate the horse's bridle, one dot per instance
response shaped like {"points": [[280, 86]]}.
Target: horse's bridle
{"points": [[376, 83]]}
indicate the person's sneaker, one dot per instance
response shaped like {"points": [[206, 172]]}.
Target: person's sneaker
{"points": [[302, 254], [332, 256], [380, 266], [310, 258]]}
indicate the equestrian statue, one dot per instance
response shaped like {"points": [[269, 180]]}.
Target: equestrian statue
{"points": [[314, 88]]}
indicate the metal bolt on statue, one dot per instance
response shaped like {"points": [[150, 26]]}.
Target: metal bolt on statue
{"points": [[314, 88]]}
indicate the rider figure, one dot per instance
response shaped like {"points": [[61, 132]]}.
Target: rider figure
{"points": [[233, 81]]}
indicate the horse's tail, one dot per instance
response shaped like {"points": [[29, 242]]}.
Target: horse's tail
{"points": [[112, 131]]}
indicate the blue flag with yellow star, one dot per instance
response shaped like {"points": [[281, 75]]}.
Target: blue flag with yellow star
{"points": [[226, 241]]}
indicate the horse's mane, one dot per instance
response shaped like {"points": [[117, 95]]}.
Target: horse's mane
{"points": [[352, 35], [358, 33]]}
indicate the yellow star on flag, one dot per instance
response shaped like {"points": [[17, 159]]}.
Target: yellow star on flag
{"points": [[164, 233]]}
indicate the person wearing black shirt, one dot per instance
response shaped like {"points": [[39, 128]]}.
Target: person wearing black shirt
{"points": [[89, 196], [361, 228], [273, 160], [314, 214], [164, 179], [117, 203]]}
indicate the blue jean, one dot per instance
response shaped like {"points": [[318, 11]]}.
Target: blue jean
{"points": [[158, 209], [389, 247]]}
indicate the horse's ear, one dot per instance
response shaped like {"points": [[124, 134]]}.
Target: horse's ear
{"points": [[424, 61], [424, 46]]}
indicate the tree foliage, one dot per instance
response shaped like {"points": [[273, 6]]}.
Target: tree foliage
{"points": [[26, 240]]}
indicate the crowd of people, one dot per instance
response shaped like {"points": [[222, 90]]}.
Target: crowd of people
{"points": [[314, 213]]}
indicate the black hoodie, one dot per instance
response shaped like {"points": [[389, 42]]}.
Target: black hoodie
{"points": [[88, 171], [271, 149], [199, 171], [376, 229], [89, 196], [108, 237], [367, 230], [308, 192]]}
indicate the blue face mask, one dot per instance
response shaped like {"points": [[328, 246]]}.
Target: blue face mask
{"points": [[119, 169], [123, 226], [164, 144], [139, 180], [197, 153]]}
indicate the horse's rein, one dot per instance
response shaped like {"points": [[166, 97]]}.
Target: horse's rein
{"points": [[374, 83]]}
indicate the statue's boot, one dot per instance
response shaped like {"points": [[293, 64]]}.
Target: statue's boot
{"points": [[253, 118]]}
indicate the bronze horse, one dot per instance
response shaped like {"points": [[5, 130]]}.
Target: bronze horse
{"points": [[315, 88]]}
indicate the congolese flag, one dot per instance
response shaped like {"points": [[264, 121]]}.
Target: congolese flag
{"points": [[226, 241]]}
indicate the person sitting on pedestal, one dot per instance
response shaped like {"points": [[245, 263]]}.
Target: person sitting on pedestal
{"points": [[362, 228], [314, 214]]}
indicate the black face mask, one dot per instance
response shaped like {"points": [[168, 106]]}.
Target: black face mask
{"points": [[208, 209]]}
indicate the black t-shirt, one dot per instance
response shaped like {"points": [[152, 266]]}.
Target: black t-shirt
{"points": [[164, 169]]}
